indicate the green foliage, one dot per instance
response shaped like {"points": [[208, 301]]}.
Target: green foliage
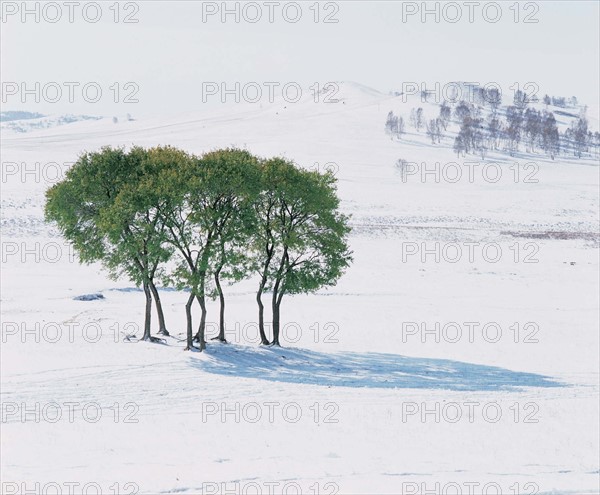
{"points": [[163, 213], [105, 209], [298, 215], [233, 176], [132, 222], [76, 203]]}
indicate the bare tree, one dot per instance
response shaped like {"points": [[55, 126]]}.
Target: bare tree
{"points": [[445, 115], [394, 125], [580, 136], [514, 120], [420, 119], [434, 130], [550, 136]]}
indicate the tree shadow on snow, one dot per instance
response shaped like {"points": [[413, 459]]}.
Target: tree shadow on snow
{"points": [[369, 369]]}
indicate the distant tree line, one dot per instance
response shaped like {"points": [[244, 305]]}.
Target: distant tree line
{"points": [[503, 130], [161, 215]]}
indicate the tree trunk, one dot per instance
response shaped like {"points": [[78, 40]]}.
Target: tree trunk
{"points": [[276, 301], [261, 313], [275, 308], [202, 301], [188, 315], [261, 308], [161, 317], [148, 315], [199, 337], [201, 329], [221, 336], [201, 297]]}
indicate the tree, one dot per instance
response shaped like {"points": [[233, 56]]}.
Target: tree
{"points": [[133, 225], [233, 179], [265, 241], [399, 127], [189, 229], [459, 145], [301, 240], [462, 111], [580, 136], [420, 119], [445, 115], [394, 125], [90, 210], [520, 99], [478, 137], [549, 135], [413, 118], [430, 128], [547, 101], [494, 98], [494, 130], [416, 118], [390, 121], [479, 95], [514, 119], [471, 134], [208, 214], [532, 127], [438, 129], [434, 130]]}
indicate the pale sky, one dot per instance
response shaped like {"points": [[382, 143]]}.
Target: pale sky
{"points": [[170, 52]]}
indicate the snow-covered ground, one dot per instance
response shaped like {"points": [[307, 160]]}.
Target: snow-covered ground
{"points": [[473, 373]]}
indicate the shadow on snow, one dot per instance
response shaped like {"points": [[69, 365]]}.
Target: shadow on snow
{"points": [[369, 369]]}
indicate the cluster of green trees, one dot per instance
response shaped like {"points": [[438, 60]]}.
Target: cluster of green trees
{"points": [[161, 215]]}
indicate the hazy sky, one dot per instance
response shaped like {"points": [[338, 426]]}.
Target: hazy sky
{"points": [[172, 50]]}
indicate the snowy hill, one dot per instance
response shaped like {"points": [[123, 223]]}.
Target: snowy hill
{"points": [[377, 351], [10, 122]]}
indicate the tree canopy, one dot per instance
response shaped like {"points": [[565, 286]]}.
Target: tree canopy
{"points": [[192, 222]]}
